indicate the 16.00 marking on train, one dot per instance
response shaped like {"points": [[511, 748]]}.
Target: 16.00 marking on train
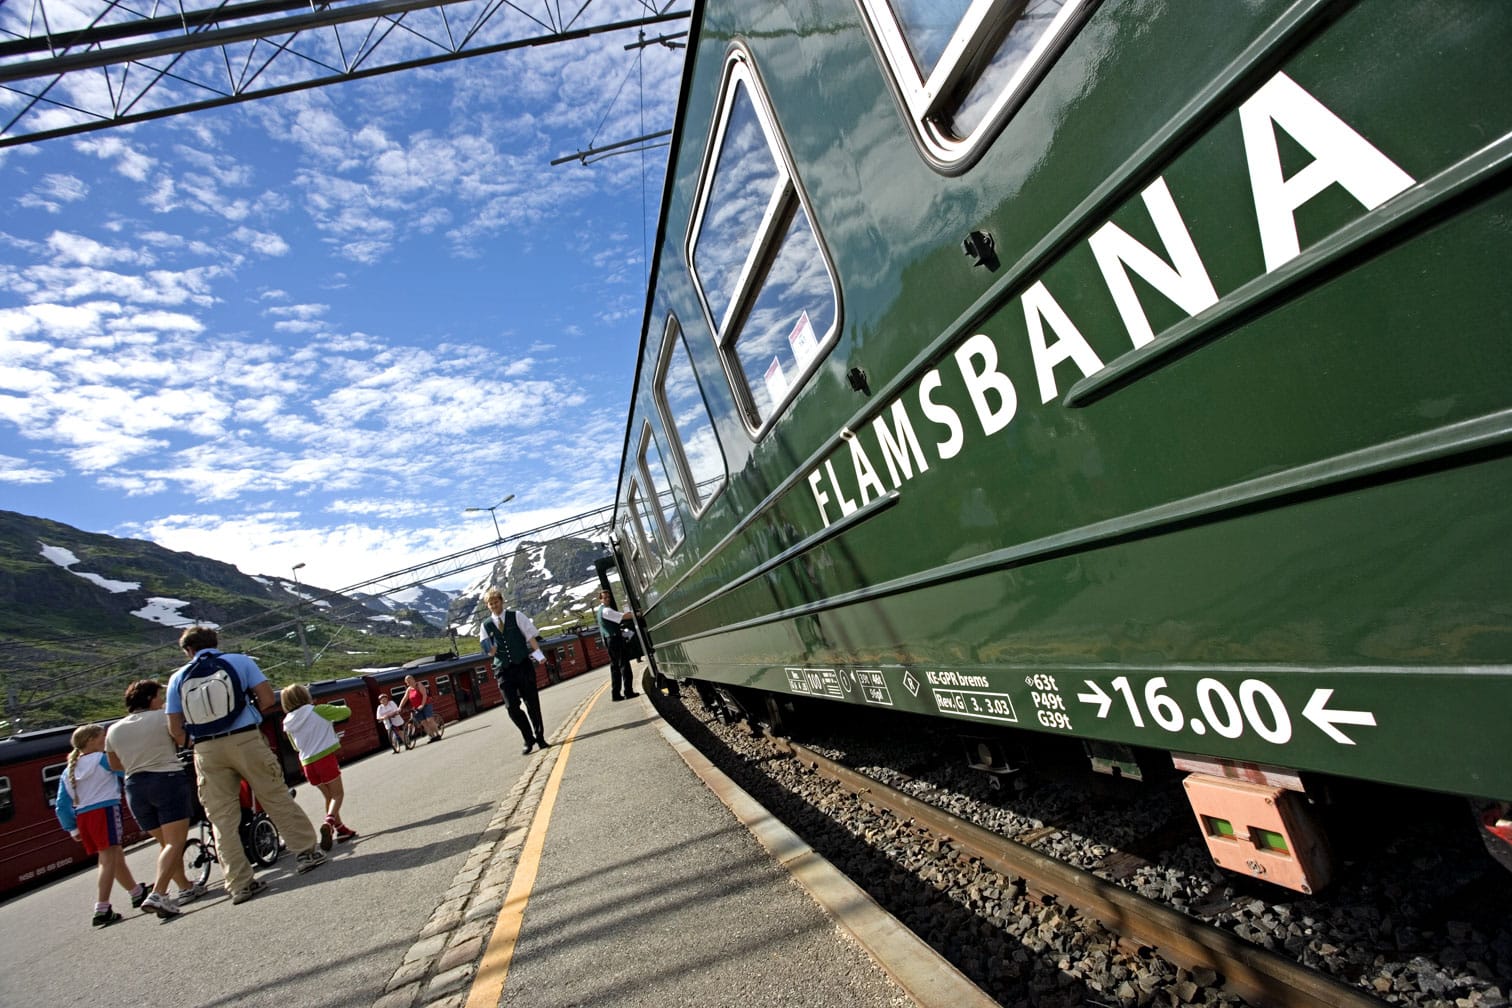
{"points": [[1253, 707]]}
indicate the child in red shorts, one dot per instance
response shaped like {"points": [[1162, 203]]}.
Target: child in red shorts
{"points": [[308, 726], [89, 807]]}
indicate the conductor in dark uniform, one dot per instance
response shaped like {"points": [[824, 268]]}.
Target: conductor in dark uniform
{"points": [[510, 638], [609, 620]]}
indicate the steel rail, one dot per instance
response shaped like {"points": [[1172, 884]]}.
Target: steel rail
{"points": [[1258, 975]]}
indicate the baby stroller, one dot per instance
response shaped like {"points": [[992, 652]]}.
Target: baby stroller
{"points": [[259, 838]]}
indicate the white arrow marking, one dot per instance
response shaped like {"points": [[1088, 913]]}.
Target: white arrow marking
{"points": [[1096, 696], [1318, 713]]}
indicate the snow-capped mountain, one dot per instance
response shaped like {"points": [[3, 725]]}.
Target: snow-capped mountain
{"points": [[551, 582]]}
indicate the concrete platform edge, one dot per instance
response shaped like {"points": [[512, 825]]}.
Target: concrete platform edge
{"points": [[440, 965], [922, 973]]}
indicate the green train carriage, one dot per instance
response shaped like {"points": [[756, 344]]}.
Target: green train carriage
{"points": [[1135, 372]]}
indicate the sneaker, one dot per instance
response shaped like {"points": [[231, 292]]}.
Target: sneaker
{"points": [[105, 918], [327, 831], [312, 858], [257, 886], [345, 833], [139, 894], [163, 906], [191, 894]]}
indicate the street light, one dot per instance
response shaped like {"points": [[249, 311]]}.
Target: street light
{"points": [[299, 618], [491, 510]]}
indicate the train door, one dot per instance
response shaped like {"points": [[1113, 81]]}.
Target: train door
{"points": [[467, 694], [622, 593]]}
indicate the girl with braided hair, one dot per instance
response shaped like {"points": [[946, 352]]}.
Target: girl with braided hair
{"points": [[89, 808]]}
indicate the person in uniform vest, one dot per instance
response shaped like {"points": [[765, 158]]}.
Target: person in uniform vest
{"points": [[512, 641], [609, 620]]}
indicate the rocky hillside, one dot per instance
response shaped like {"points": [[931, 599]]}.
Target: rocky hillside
{"points": [[82, 613], [551, 582]]}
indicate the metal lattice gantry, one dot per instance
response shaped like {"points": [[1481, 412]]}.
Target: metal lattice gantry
{"points": [[72, 66]]}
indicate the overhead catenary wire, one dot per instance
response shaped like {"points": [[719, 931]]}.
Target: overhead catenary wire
{"points": [[103, 674]]}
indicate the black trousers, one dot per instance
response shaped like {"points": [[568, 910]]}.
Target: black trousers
{"points": [[518, 683], [619, 668]]}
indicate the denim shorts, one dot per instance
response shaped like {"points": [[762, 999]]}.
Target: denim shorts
{"points": [[158, 798]]}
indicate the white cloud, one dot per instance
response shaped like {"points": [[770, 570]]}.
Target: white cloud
{"points": [[19, 471]]}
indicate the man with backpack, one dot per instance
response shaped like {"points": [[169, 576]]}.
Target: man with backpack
{"points": [[216, 701]]}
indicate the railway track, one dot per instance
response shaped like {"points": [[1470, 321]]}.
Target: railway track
{"points": [[1032, 929], [1255, 974]]}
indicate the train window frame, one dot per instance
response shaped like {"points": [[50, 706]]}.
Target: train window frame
{"points": [[651, 548], [650, 443], [7, 800], [52, 779], [779, 219], [443, 685], [673, 340], [397, 693], [930, 100], [635, 548]]}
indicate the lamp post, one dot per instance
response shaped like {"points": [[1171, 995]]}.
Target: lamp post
{"points": [[299, 617], [491, 510]]}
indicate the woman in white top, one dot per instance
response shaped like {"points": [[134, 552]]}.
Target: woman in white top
{"points": [[157, 789]]}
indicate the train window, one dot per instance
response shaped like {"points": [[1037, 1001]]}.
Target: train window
{"points": [[643, 523], [443, 685], [666, 513], [7, 800], [961, 67], [696, 455], [51, 775], [396, 694], [635, 547], [763, 278]]}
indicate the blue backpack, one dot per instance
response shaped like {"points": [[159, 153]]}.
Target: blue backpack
{"points": [[211, 696]]}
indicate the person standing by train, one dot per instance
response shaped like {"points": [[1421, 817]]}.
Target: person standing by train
{"points": [[157, 790], [417, 700], [508, 637], [388, 715], [89, 808], [609, 620], [208, 702]]}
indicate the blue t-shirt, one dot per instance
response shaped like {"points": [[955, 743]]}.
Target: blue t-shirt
{"points": [[246, 670]]}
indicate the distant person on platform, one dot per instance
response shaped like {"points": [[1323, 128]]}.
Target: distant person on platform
{"points": [[512, 641], [216, 701], [609, 620]]}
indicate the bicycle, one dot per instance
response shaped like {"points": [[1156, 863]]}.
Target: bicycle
{"points": [[257, 832], [414, 729]]}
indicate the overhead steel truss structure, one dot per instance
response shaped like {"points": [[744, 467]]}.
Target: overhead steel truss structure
{"points": [[72, 66]]}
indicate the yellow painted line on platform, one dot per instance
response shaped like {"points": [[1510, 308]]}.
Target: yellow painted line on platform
{"points": [[488, 986]]}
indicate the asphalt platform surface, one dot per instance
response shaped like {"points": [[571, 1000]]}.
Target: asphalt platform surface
{"points": [[602, 871]]}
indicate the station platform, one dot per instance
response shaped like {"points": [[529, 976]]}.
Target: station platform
{"points": [[614, 868]]}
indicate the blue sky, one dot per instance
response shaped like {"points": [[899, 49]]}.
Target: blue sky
{"points": [[314, 328]]}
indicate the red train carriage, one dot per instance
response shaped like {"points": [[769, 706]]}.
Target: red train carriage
{"points": [[459, 687], [34, 848], [571, 654]]}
